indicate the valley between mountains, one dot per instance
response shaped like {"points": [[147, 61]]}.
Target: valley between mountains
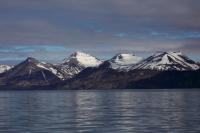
{"points": [[123, 71]]}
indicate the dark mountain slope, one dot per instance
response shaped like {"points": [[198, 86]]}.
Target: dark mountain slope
{"points": [[169, 79], [30, 74], [107, 78]]}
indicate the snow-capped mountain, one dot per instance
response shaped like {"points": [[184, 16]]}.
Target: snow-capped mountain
{"points": [[78, 61], [166, 61], [121, 61], [32, 67], [4, 68], [121, 71]]}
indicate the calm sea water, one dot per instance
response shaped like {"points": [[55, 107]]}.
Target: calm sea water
{"points": [[116, 111]]}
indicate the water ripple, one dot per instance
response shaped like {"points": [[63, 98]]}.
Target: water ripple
{"points": [[100, 111]]}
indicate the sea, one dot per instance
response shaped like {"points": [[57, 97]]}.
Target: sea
{"points": [[100, 111]]}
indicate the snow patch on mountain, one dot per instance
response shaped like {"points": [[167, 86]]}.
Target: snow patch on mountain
{"points": [[4, 68], [51, 68], [123, 60]]}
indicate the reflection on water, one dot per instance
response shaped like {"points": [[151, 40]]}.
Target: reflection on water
{"points": [[100, 111]]}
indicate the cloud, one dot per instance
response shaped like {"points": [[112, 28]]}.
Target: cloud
{"points": [[38, 27], [29, 49]]}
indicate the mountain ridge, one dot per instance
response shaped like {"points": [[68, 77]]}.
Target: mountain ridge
{"points": [[83, 71]]}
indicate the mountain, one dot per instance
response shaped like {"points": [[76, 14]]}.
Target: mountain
{"points": [[30, 73], [161, 70], [167, 61], [4, 68], [123, 71], [120, 61], [78, 61], [169, 80], [108, 78], [104, 77]]}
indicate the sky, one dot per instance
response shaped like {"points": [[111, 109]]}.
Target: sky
{"points": [[50, 30]]}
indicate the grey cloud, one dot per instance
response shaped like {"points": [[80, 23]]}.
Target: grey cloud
{"points": [[191, 46], [170, 13], [96, 26]]}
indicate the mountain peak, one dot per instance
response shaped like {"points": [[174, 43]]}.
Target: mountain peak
{"points": [[171, 60], [78, 61], [168, 52], [125, 59], [32, 68], [82, 59], [78, 53], [31, 59]]}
